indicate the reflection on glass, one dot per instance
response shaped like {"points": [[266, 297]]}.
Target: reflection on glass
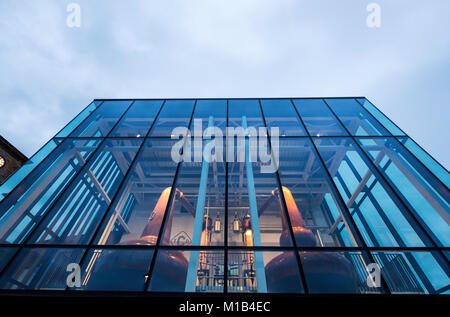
{"points": [[27, 168], [5, 256], [316, 215], [318, 118], [263, 272], [256, 216], [188, 271], [27, 203], [78, 119], [438, 170], [355, 118], [40, 268], [338, 272], [139, 209], [244, 113], [102, 120], [420, 190], [175, 113], [280, 113], [209, 109], [138, 119], [380, 217], [388, 124], [116, 269], [414, 272], [77, 213], [196, 216]]}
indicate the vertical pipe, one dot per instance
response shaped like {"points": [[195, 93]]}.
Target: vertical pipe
{"points": [[259, 262], [191, 277]]}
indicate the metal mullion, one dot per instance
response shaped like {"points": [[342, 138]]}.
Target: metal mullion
{"points": [[344, 208], [286, 213], [225, 258], [38, 224], [169, 203], [90, 244], [411, 215]]}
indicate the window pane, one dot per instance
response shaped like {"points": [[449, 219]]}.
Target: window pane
{"points": [[5, 256], [355, 118], [206, 110], [255, 216], [338, 273], [24, 208], [78, 119], [196, 217], [27, 168], [427, 160], [77, 213], [379, 215], [414, 272], [280, 113], [263, 272], [102, 120], [175, 113], [139, 209], [40, 268], [424, 194], [314, 210], [138, 119], [388, 124], [115, 270], [244, 113], [188, 271], [318, 118]]}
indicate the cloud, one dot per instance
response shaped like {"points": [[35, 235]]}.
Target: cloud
{"points": [[233, 48]]}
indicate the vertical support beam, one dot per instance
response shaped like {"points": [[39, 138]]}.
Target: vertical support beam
{"points": [[191, 277], [261, 283]]}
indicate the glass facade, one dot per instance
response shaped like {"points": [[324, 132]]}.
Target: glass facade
{"points": [[291, 196]]}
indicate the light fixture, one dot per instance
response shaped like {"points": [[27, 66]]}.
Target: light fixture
{"points": [[236, 224], [217, 224]]}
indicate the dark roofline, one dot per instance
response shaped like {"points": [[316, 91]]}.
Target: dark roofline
{"points": [[224, 98], [14, 150]]}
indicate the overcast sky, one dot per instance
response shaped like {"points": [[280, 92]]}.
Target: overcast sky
{"points": [[229, 48]]}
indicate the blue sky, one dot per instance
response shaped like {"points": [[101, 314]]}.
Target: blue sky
{"points": [[230, 48]]}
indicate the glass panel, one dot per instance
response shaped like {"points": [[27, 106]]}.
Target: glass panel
{"points": [[338, 273], [421, 191], [255, 216], [388, 124], [77, 213], [427, 160], [100, 123], [175, 113], [317, 217], [140, 207], [196, 217], [355, 118], [25, 206], [138, 119], [280, 113], [379, 215], [5, 256], [78, 119], [244, 113], [27, 168], [263, 272], [414, 272], [206, 110], [115, 270], [40, 268], [188, 271], [318, 118]]}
